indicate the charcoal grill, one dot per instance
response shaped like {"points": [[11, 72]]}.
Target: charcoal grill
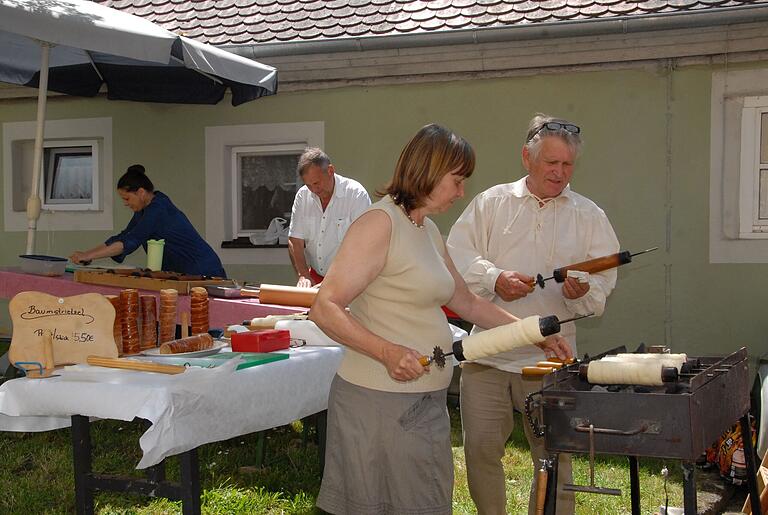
{"points": [[676, 421]]}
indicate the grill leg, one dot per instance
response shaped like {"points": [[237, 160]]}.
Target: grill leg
{"points": [[550, 505], [634, 485], [749, 457], [689, 487]]}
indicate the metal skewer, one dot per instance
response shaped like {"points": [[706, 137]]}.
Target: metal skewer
{"points": [[626, 256]]}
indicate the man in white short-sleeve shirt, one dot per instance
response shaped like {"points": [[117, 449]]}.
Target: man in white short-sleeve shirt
{"points": [[323, 210]]}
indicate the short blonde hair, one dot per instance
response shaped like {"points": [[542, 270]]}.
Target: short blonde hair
{"points": [[432, 153]]}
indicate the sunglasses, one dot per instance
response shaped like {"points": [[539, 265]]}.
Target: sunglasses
{"points": [[556, 126]]}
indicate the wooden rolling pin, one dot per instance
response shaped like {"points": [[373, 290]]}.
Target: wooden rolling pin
{"points": [[286, 295], [132, 364]]}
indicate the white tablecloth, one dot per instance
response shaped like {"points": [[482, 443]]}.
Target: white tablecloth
{"points": [[187, 410]]}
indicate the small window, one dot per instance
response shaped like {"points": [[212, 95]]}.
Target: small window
{"points": [[70, 176], [265, 183]]}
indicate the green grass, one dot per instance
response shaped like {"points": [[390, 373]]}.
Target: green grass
{"points": [[36, 475]]}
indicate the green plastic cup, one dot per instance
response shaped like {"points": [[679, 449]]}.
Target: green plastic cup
{"points": [[155, 254]]}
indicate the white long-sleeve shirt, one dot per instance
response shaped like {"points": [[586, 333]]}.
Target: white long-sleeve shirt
{"points": [[505, 228], [322, 231]]}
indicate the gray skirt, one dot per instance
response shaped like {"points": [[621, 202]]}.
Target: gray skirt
{"points": [[386, 453]]}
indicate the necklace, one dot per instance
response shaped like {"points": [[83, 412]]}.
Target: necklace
{"points": [[420, 226]]}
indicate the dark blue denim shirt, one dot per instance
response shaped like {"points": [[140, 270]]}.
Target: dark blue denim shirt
{"points": [[185, 250]]}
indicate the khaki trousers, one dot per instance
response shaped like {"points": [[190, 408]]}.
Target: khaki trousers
{"points": [[488, 396]]}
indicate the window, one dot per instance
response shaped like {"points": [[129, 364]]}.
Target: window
{"points": [[753, 179], [237, 158], [265, 181], [70, 176], [68, 202]]}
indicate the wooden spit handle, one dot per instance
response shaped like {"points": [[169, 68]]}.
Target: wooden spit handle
{"points": [[425, 361], [541, 490], [594, 265], [131, 364], [550, 364], [537, 371]]}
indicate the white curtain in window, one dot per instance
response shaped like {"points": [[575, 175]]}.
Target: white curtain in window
{"points": [[73, 178]]}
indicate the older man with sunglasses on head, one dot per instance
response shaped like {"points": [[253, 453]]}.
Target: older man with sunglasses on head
{"points": [[507, 235]]}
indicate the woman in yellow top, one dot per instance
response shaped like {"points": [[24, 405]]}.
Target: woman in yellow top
{"points": [[388, 448]]}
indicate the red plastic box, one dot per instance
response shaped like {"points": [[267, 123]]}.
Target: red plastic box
{"points": [[261, 341]]}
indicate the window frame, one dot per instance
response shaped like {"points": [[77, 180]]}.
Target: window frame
{"points": [[46, 185], [219, 140], [273, 149], [750, 226]]}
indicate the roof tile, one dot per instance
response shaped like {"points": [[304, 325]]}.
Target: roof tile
{"points": [[342, 12], [511, 17], [449, 12], [320, 14], [383, 27], [424, 15], [550, 5], [374, 19], [538, 15], [328, 22], [335, 31], [415, 6], [366, 10], [652, 5], [311, 33], [397, 17], [313, 5], [407, 26], [594, 10], [350, 21], [462, 3], [297, 16], [485, 19], [357, 30], [502, 8], [565, 13], [623, 8], [526, 6], [456, 22]]}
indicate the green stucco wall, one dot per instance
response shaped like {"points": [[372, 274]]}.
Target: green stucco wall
{"points": [[645, 161]]}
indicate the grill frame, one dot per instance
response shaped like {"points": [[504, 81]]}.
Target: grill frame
{"points": [[673, 422]]}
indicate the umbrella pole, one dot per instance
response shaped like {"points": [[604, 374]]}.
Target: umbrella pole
{"points": [[33, 202]]}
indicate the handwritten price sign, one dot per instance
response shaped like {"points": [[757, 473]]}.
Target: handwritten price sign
{"points": [[80, 326]]}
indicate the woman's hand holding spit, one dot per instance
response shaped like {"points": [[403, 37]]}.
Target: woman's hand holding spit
{"points": [[402, 363]]}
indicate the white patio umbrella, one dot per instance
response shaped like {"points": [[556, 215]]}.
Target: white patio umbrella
{"points": [[76, 47]]}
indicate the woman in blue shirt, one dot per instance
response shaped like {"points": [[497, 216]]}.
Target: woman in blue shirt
{"points": [[156, 218]]}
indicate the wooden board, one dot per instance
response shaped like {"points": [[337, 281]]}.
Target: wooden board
{"points": [[142, 283], [80, 326]]}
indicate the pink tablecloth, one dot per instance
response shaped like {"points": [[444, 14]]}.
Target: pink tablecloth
{"points": [[223, 312]]}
